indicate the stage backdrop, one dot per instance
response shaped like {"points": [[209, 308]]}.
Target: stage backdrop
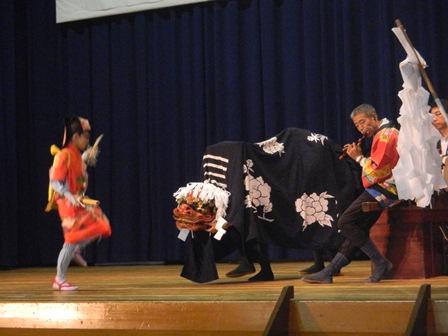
{"points": [[162, 85]]}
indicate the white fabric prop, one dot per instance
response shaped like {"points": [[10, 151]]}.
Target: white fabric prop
{"points": [[412, 55], [73, 10], [183, 234], [417, 173]]}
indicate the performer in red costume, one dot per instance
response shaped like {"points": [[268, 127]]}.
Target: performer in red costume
{"points": [[379, 187], [81, 222]]}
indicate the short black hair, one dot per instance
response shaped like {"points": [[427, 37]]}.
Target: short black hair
{"points": [[444, 103], [72, 126]]}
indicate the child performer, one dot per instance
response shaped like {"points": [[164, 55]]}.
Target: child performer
{"points": [[81, 223]]}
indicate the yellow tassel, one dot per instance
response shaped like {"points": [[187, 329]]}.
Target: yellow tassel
{"points": [[54, 150], [51, 205]]}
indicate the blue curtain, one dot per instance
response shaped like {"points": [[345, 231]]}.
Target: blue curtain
{"points": [[162, 85]]}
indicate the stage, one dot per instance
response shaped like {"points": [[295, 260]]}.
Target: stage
{"points": [[155, 300]]}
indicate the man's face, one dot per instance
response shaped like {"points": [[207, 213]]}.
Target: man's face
{"points": [[365, 125], [438, 121]]}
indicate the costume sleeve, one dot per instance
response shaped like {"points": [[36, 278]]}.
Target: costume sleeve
{"points": [[62, 189], [384, 156], [58, 174]]}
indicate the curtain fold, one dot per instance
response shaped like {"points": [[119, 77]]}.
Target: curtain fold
{"points": [[163, 85]]}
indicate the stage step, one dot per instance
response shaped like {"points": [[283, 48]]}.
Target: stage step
{"points": [[154, 300], [215, 318], [145, 318], [362, 318]]}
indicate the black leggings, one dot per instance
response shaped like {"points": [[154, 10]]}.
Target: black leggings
{"points": [[355, 224]]}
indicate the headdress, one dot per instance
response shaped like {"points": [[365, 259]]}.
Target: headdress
{"points": [[74, 124], [199, 204]]}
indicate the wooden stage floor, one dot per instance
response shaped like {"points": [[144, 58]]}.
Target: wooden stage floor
{"points": [[163, 283], [114, 296]]}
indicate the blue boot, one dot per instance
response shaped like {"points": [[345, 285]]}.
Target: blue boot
{"points": [[382, 266], [326, 275]]}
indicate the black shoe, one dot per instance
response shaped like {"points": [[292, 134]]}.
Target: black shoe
{"points": [[262, 276], [313, 268], [243, 269]]}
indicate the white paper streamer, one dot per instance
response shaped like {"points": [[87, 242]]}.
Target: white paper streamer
{"points": [[417, 173]]}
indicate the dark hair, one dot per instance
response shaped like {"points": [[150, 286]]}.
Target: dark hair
{"points": [[72, 126], [444, 103]]}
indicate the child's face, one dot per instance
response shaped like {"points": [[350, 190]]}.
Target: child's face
{"points": [[81, 141]]}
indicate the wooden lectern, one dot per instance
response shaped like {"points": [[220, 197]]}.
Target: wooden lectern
{"points": [[412, 238]]}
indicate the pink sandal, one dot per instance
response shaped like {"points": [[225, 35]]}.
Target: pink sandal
{"points": [[63, 286]]}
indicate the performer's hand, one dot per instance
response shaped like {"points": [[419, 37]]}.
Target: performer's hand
{"points": [[78, 199], [212, 228], [346, 146], [353, 150], [73, 199]]}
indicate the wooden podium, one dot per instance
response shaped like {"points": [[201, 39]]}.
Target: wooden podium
{"points": [[412, 239]]}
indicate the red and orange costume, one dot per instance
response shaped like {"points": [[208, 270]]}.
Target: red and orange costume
{"points": [[78, 223], [377, 175]]}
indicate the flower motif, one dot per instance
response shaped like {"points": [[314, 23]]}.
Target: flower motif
{"points": [[313, 209], [247, 168], [271, 146], [259, 192], [317, 137]]}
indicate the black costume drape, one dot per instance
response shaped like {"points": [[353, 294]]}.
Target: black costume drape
{"points": [[288, 190]]}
